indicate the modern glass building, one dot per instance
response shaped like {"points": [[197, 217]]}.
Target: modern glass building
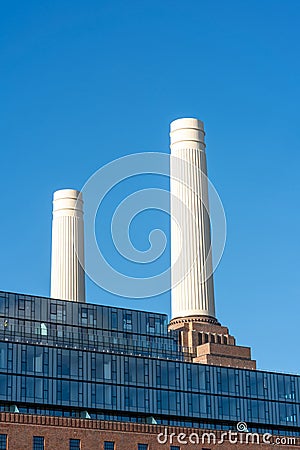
{"points": [[63, 358]]}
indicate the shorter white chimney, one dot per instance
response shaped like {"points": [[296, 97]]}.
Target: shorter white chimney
{"points": [[67, 274]]}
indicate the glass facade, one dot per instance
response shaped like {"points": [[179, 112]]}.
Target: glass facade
{"points": [[71, 359], [89, 326]]}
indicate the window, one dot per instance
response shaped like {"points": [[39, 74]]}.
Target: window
{"points": [[3, 440], [3, 355], [74, 444], [44, 330], [114, 320], [127, 323], [199, 341], [38, 443], [151, 325], [174, 447], [21, 304], [108, 445], [84, 316], [142, 446]]}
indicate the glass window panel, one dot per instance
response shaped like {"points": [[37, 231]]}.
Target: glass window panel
{"points": [[74, 359], [65, 362], [172, 401], [291, 413], [254, 409], [30, 359], [141, 370], [195, 403], [132, 369], [164, 374], [38, 443], [29, 387], [202, 384], [44, 330], [74, 392], [109, 445], [74, 444], [114, 320], [3, 384], [289, 388], [2, 303], [38, 361], [3, 355], [99, 395], [99, 366], [141, 398], [39, 388], [3, 441], [233, 407], [107, 393], [224, 405], [132, 397], [231, 382], [260, 384], [195, 376], [203, 399], [127, 321], [253, 384], [164, 400], [107, 367], [65, 391], [224, 381]]}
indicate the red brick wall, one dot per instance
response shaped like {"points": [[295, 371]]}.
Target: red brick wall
{"points": [[20, 429]]}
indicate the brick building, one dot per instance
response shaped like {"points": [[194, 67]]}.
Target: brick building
{"points": [[81, 376], [96, 374]]}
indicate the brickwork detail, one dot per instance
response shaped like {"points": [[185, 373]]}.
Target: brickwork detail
{"points": [[20, 429], [211, 343]]}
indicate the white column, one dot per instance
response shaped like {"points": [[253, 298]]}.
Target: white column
{"points": [[190, 231], [67, 274]]}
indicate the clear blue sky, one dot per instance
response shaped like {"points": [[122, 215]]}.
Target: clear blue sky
{"points": [[85, 82]]}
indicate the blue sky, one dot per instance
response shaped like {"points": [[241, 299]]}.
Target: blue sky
{"points": [[84, 83]]}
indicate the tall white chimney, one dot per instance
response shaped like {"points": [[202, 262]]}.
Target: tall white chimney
{"points": [[190, 237], [67, 274]]}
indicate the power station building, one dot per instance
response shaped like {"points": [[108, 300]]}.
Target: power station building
{"points": [[77, 375]]}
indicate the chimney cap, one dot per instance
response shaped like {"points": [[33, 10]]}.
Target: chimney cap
{"points": [[66, 193], [187, 122], [187, 133]]}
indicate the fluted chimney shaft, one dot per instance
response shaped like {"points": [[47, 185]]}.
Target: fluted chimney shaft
{"points": [[67, 274], [193, 295]]}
